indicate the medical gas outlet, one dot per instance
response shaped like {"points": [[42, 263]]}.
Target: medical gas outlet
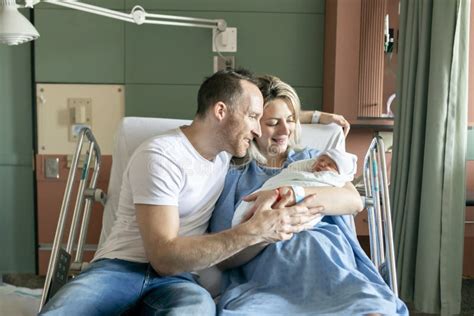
{"points": [[80, 111]]}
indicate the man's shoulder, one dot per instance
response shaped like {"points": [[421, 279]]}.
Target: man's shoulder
{"points": [[156, 147], [165, 142]]}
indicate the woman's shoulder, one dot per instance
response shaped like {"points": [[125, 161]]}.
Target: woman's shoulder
{"points": [[304, 153]]}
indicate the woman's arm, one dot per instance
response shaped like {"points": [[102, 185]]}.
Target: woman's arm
{"points": [[335, 201], [306, 117]]}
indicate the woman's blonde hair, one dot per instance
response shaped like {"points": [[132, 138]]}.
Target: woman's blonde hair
{"points": [[273, 88]]}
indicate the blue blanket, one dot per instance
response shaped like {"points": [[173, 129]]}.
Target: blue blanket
{"points": [[320, 271]]}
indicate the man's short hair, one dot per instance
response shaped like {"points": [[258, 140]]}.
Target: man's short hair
{"points": [[222, 86]]}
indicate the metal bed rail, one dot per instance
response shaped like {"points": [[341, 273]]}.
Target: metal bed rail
{"points": [[60, 260], [377, 202]]}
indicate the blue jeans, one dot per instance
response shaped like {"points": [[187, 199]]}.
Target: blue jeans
{"points": [[113, 287]]}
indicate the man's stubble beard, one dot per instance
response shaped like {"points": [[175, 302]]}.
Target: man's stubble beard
{"points": [[231, 137]]}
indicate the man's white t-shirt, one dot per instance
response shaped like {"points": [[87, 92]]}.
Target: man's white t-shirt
{"points": [[165, 170]]}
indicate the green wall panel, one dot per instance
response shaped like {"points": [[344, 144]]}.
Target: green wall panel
{"points": [[78, 47], [287, 45], [301, 6], [311, 98], [470, 144], [290, 46], [17, 232], [171, 101], [167, 54], [16, 131]]}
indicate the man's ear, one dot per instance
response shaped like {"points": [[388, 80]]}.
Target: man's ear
{"points": [[220, 110]]}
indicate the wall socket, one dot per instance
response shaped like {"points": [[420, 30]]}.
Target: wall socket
{"points": [[221, 63]]}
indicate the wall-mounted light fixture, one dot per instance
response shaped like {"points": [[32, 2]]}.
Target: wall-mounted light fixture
{"points": [[16, 29]]}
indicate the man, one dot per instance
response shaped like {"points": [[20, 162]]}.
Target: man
{"points": [[168, 193]]}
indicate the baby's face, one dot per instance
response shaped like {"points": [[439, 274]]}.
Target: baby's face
{"points": [[324, 163]]}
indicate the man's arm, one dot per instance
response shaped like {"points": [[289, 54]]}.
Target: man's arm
{"points": [[242, 257], [170, 254]]}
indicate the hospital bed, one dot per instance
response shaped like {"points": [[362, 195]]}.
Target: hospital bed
{"points": [[135, 130]]}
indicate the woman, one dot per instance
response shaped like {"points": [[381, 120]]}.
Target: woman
{"points": [[322, 270]]}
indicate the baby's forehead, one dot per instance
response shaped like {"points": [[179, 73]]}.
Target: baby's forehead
{"points": [[324, 156]]}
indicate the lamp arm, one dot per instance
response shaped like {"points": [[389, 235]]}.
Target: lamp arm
{"points": [[138, 15]]}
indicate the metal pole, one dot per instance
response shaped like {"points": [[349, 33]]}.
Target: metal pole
{"points": [[378, 212], [86, 214], [374, 252], [388, 223], [79, 200]]}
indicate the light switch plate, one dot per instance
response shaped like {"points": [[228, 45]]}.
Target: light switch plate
{"points": [[51, 168]]}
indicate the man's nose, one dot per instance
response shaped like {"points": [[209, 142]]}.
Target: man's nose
{"points": [[257, 131]]}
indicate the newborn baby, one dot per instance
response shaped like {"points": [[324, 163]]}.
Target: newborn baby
{"points": [[332, 167]]}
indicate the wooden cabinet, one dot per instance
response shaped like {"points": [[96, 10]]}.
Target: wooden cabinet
{"points": [[359, 77]]}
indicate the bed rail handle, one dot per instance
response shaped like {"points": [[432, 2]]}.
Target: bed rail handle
{"points": [[60, 260], [377, 200]]}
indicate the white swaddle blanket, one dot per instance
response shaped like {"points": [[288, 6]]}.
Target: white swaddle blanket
{"points": [[297, 173]]}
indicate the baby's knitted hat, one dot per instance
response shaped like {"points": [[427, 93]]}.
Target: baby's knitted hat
{"points": [[346, 162]]}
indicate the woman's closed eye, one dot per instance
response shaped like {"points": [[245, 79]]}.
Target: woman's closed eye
{"points": [[272, 122], [275, 122]]}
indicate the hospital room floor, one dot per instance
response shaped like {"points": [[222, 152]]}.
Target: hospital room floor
{"points": [[36, 282]]}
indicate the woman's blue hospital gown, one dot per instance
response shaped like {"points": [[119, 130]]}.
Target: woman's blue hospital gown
{"points": [[320, 271]]}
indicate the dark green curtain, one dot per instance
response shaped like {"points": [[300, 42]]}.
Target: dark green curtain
{"points": [[428, 166]]}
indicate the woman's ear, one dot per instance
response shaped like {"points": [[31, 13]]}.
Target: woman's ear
{"points": [[220, 110]]}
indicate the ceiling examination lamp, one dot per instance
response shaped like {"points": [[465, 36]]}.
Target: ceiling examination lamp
{"points": [[16, 29]]}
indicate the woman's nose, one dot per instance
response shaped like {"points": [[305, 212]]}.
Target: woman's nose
{"points": [[284, 128]]}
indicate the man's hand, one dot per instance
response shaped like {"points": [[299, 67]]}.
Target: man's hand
{"points": [[280, 224], [282, 197]]}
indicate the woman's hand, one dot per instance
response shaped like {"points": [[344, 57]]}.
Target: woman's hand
{"points": [[328, 118]]}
